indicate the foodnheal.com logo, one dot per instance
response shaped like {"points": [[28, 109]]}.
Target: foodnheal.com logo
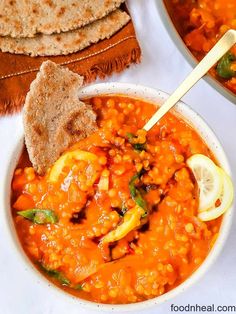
{"points": [[210, 308]]}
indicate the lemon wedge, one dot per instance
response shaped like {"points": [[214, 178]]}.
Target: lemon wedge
{"points": [[209, 180], [226, 199]]}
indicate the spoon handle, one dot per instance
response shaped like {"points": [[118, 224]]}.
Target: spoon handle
{"points": [[221, 47]]}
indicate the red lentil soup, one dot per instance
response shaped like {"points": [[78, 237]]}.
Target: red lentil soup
{"points": [[139, 183], [201, 23]]}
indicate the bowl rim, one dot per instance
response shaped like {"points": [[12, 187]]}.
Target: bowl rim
{"points": [[188, 56], [148, 95]]}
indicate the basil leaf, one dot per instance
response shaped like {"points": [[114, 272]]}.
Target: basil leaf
{"points": [[56, 274], [224, 66], [39, 216]]}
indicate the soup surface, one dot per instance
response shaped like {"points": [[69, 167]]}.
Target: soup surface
{"points": [[124, 226], [201, 23]]}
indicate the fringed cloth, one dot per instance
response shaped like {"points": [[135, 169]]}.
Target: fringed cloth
{"points": [[99, 60]]}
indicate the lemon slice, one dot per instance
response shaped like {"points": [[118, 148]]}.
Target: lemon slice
{"points": [[132, 219], [209, 180], [68, 157], [226, 199]]}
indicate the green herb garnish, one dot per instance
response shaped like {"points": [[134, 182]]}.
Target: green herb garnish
{"points": [[56, 274], [136, 146], [224, 66], [77, 287], [39, 216], [136, 193]]}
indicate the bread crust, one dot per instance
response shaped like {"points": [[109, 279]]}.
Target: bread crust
{"points": [[24, 18], [68, 42], [53, 116]]}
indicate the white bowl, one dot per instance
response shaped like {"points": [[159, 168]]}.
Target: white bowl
{"points": [[149, 95], [189, 57]]}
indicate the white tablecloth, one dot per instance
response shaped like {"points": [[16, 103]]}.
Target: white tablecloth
{"points": [[163, 67]]}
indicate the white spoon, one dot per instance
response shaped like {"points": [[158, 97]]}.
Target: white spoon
{"points": [[221, 47]]}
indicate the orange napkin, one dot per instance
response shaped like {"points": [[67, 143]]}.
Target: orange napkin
{"points": [[101, 59]]}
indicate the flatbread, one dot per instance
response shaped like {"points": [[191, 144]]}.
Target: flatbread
{"points": [[25, 18], [68, 42], [53, 116]]}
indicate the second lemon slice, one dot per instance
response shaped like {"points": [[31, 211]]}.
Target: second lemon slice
{"points": [[226, 199], [209, 180]]}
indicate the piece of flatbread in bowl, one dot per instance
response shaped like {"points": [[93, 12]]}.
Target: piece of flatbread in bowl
{"points": [[68, 42], [53, 116]]}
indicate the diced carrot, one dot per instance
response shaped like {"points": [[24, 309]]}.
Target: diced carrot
{"points": [[23, 202], [19, 182]]}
